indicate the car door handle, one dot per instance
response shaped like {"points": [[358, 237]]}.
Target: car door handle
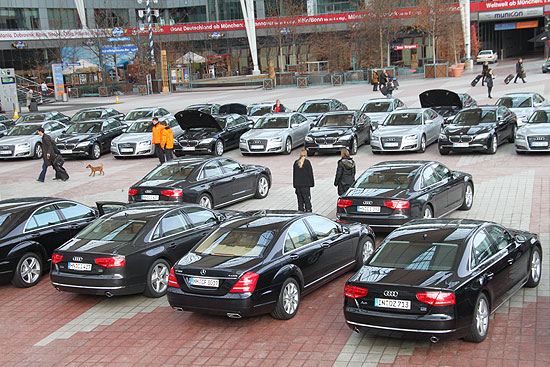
{"points": [[489, 276], [172, 245], [325, 245], [510, 261], [294, 256]]}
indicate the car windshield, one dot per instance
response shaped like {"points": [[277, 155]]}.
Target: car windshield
{"points": [[177, 172], [23, 130], [539, 117], [515, 102], [141, 127], [314, 107], [31, 117], [246, 242], [271, 122], [139, 114], [398, 119], [337, 120], [85, 128], [386, 178], [474, 117], [258, 110], [86, 115], [411, 255], [376, 107], [111, 229]]}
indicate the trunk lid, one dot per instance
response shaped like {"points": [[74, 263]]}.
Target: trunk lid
{"points": [[371, 201]]}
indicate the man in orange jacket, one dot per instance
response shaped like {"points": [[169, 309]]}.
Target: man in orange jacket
{"points": [[167, 141], [157, 139]]}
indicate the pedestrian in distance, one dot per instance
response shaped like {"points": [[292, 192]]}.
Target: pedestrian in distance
{"points": [[277, 108], [345, 172], [51, 157], [383, 79], [29, 99], [484, 71], [44, 88], [303, 181], [520, 71], [157, 140], [374, 81], [489, 81], [167, 141]]}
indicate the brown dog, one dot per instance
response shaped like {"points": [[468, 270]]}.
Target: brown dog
{"points": [[98, 169]]}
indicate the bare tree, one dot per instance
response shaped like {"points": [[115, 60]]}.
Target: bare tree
{"points": [[433, 18]]}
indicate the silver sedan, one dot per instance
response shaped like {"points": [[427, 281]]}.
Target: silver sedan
{"points": [[23, 141], [534, 136], [377, 109], [410, 129], [522, 104]]}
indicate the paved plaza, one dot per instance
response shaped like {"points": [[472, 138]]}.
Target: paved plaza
{"points": [[42, 327]]}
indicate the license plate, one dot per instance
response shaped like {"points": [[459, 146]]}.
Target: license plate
{"points": [[461, 145], [205, 282], [149, 197], [391, 145], [392, 303], [368, 209], [126, 150], [5, 152], [256, 146], [539, 144], [325, 146], [65, 151], [188, 148], [80, 266]]}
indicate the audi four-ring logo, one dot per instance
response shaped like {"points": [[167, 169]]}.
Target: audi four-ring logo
{"points": [[203, 271], [77, 258], [367, 202], [391, 293]]}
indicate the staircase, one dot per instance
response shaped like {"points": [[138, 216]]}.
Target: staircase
{"points": [[23, 86]]}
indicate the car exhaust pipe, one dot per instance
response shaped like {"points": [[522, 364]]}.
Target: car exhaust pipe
{"points": [[178, 308], [108, 294], [434, 339], [233, 315], [357, 330]]}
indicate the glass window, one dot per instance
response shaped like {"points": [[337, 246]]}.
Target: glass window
{"points": [[211, 169], [442, 171], [386, 177], [73, 211], [112, 229], [474, 116], [43, 217], [397, 119], [109, 18], [233, 242], [500, 236], [84, 128], [376, 107], [230, 166], [63, 19], [415, 255], [337, 120], [19, 18], [189, 14], [322, 227], [482, 249], [171, 224], [172, 171], [272, 122], [429, 177], [297, 236], [200, 216], [314, 107]]}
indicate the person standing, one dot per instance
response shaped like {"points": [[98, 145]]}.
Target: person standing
{"points": [[303, 181], [345, 172], [50, 152], [374, 81], [520, 72], [383, 79], [44, 88], [167, 141], [29, 99], [157, 139], [277, 108], [484, 71], [489, 81]]}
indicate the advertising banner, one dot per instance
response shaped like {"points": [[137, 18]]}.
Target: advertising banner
{"points": [[59, 84]]}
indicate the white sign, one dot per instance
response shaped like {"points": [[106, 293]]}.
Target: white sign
{"points": [[511, 13]]}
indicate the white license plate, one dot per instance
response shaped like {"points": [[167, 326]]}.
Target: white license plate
{"points": [[149, 197], [5, 152], [392, 303], [461, 145], [539, 144], [205, 282], [80, 266], [256, 146], [325, 146], [65, 151], [188, 148], [126, 150], [368, 209], [391, 145]]}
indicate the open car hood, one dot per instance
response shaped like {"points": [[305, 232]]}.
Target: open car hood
{"points": [[188, 119], [440, 98], [229, 108]]}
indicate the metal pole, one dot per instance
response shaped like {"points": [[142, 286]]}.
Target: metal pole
{"points": [[150, 25], [466, 29], [250, 26]]}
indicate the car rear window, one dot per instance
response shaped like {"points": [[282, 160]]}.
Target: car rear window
{"points": [[397, 119], [314, 108], [176, 172], [386, 178], [377, 107], [246, 242], [415, 255], [112, 229], [515, 102]]}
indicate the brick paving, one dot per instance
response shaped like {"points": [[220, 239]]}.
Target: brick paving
{"points": [[41, 326]]}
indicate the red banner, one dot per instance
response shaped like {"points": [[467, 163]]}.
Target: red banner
{"points": [[506, 4]]}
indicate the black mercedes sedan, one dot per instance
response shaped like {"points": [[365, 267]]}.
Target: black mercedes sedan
{"points": [[89, 138], [264, 263], [99, 113], [441, 278], [481, 128], [204, 133], [31, 229], [391, 193], [445, 102], [338, 130], [210, 182], [131, 250]]}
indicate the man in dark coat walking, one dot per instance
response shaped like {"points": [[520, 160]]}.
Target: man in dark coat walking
{"points": [[345, 173], [520, 72], [50, 153]]}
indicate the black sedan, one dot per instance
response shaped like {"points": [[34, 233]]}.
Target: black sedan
{"points": [[43, 116], [130, 250], [436, 278], [6, 121], [31, 229], [339, 130], [315, 108], [88, 114], [392, 193], [204, 133], [89, 138], [265, 263], [481, 128], [210, 182], [445, 102], [209, 108]]}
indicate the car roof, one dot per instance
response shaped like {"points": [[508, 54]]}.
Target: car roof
{"points": [[404, 163], [441, 230], [24, 204], [519, 94], [144, 108], [280, 114], [319, 100], [345, 112], [270, 219], [410, 110], [380, 100], [90, 121], [148, 210], [482, 107]]}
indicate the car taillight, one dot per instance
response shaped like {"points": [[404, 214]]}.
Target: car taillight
{"points": [[172, 193], [56, 258], [353, 291], [397, 204], [246, 283], [111, 262], [172, 281], [344, 203], [132, 192], [437, 298]]}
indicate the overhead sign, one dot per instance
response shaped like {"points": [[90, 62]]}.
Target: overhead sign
{"points": [[507, 14], [216, 35], [71, 64], [19, 44], [505, 4], [118, 39], [527, 24], [504, 26], [118, 50], [118, 31], [405, 47]]}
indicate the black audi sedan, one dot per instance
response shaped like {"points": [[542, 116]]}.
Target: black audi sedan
{"points": [[441, 278], [391, 193], [204, 133], [264, 263], [338, 130], [210, 182], [100, 113], [445, 102], [89, 138], [31, 229], [131, 250], [481, 128]]}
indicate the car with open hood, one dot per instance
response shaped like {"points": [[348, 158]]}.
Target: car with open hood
{"points": [[445, 102], [522, 104], [257, 110], [99, 113], [315, 108], [410, 129], [144, 113], [34, 117], [475, 129], [136, 141], [335, 131], [89, 138], [534, 135], [23, 141], [377, 109], [208, 134], [276, 133]]}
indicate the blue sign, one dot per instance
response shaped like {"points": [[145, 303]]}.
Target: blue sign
{"points": [[118, 50], [118, 39], [117, 31], [285, 30], [71, 64], [505, 26], [19, 44], [216, 35]]}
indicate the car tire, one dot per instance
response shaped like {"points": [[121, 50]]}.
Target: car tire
{"points": [[156, 283], [428, 212], [480, 321], [310, 153], [288, 146], [95, 151], [468, 197], [364, 251], [422, 147], [218, 148], [353, 146], [535, 268], [262, 187], [206, 201], [38, 152], [288, 301], [28, 270], [512, 137], [493, 145]]}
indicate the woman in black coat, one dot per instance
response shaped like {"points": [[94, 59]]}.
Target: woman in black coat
{"points": [[489, 81], [303, 181], [345, 173]]}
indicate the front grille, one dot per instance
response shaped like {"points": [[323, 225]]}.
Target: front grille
{"points": [[389, 141], [257, 145], [66, 146], [539, 142], [124, 148], [6, 150], [189, 143], [325, 140], [461, 138]]}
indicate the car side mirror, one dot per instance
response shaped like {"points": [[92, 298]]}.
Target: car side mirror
{"points": [[294, 125], [312, 125], [250, 126], [345, 229], [519, 238], [221, 217], [429, 122]]}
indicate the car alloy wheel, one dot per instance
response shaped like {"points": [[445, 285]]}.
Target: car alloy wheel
{"points": [[38, 151], [288, 146], [482, 317], [535, 269], [513, 134], [422, 144], [494, 145], [159, 278], [428, 213], [28, 271], [96, 151], [218, 149], [468, 197], [290, 298], [205, 201], [263, 187]]}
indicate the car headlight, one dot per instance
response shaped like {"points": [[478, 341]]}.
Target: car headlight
{"points": [[278, 139], [482, 136], [241, 140], [442, 136], [83, 144], [375, 137], [520, 137], [113, 143], [345, 138], [207, 141], [23, 146], [145, 143], [411, 137], [309, 138]]}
